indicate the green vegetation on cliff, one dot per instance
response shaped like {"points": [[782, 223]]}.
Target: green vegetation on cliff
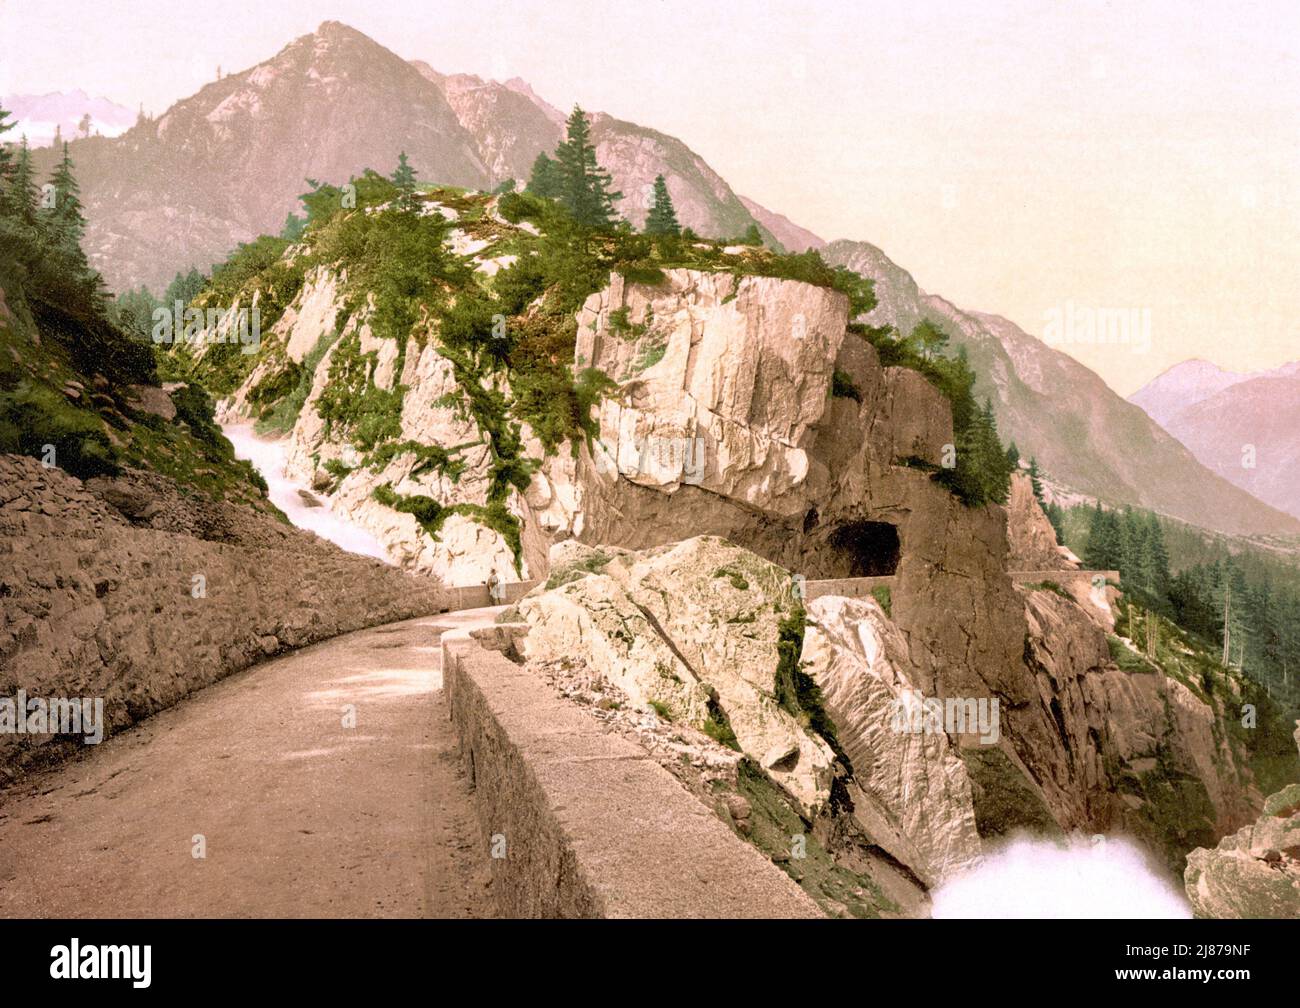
{"points": [[75, 373], [494, 282]]}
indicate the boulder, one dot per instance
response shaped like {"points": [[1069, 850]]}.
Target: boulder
{"points": [[1256, 871], [916, 784], [689, 630]]}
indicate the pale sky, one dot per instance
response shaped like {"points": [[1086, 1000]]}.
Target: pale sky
{"points": [[1015, 157]]}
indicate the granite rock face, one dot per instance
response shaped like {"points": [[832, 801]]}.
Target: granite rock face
{"points": [[914, 780], [141, 611], [690, 632], [1256, 871], [723, 424]]}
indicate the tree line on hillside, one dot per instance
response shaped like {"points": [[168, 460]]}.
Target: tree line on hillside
{"points": [[52, 292], [1252, 599], [41, 228], [1260, 616]]}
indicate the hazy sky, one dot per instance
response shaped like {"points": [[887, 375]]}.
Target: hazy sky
{"points": [[1016, 157]]}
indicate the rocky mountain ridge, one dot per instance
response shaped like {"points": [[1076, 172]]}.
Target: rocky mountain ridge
{"points": [[462, 130]]}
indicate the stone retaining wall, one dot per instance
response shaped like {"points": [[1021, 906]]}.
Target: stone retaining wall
{"points": [[1062, 577], [590, 825], [94, 606]]}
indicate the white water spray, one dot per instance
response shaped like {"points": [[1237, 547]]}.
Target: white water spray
{"points": [[268, 458], [1079, 878]]}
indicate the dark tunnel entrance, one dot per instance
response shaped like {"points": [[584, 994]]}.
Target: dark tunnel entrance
{"points": [[871, 548]]}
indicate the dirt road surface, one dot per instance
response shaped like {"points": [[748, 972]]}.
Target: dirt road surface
{"points": [[295, 813]]}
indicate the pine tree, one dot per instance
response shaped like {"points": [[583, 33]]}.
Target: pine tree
{"points": [[1156, 559], [404, 178], [1035, 479], [545, 178], [930, 339], [1013, 456], [997, 468], [6, 156], [1104, 549], [752, 236], [584, 185], [20, 196], [1056, 516], [64, 223], [662, 218]]}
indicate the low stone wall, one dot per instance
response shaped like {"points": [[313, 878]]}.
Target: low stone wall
{"points": [[92, 606], [477, 596], [585, 823], [859, 587]]}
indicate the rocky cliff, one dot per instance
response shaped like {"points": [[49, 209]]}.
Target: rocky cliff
{"points": [[738, 406]]}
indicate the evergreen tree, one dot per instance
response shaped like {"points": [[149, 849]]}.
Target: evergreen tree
{"points": [[584, 185], [134, 312], [20, 196], [64, 223], [662, 218], [6, 156], [1102, 550], [184, 288], [1013, 456], [545, 180], [404, 178], [930, 339], [1056, 516], [997, 474], [752, 236], [1035, 479], [1155, 558], [982, 473]]}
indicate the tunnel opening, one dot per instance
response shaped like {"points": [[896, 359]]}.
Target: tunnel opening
{"points": [[871, 548]]}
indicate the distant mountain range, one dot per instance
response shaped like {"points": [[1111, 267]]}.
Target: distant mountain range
{"points": [[1245, 427], [229, 162], [69, 113], [1082, 434]]}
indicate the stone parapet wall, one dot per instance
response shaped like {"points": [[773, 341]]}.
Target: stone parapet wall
{"points": [[586, 823]]}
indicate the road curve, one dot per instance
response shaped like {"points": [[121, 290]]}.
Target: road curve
{"points": [[295, 813]]}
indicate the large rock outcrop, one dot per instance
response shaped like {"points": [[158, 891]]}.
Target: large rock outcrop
{"points": [[1256, 871], [1031, 540], [744, 410], [915, 780], [691, 631]]}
